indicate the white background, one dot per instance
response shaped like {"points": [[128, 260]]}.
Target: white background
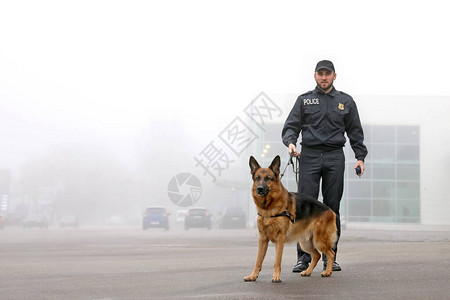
{"points": [[99, 72]]}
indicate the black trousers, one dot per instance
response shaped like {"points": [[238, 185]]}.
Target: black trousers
{"points": [[328, 167]]}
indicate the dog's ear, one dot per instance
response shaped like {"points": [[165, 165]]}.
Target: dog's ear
{"points": [[275, 165], [253, 165]]}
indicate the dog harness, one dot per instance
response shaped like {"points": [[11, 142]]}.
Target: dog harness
{"points": [[283, 214]]}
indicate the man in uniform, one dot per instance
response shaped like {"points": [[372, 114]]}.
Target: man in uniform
{"points": [[322, 116]]}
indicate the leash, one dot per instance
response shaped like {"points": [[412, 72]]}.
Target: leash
{"points": [[289, 162], [295, 168]]}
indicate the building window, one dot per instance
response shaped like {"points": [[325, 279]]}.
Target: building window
{"points": [[389, 191]]}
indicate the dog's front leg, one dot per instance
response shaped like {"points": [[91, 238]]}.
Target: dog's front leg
{"points": [[263, 242], [279, 246]]}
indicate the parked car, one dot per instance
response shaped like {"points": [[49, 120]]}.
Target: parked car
{"points": [[68, 221], [13, 219], [234, 217], [156, 216], [35, 220], [197, 217], [181, 214], [115, 220]]}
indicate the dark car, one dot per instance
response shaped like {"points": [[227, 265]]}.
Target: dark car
{"points": [[234, 217], [35, 220], [197, 217], [13, 219], [156, 217]]}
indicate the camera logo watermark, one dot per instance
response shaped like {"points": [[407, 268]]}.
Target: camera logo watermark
{"points": [[184, 189]]}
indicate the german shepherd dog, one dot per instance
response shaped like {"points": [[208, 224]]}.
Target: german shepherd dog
{"points": [[285, 217]]}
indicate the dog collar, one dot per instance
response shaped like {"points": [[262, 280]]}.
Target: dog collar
{"points": [[283, 214]]}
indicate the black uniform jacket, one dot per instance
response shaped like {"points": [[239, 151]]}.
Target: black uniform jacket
{"points": [[323, 119]]}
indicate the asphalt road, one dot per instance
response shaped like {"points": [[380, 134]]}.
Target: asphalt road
{"points": [[129, 263]]}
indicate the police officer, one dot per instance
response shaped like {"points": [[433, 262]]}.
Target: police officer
{"points": [[322, 116]]}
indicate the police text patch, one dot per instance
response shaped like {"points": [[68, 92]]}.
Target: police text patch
{"points": [[310, 101]]}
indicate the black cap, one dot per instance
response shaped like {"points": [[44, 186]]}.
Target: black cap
{"points": [[325, 64]]}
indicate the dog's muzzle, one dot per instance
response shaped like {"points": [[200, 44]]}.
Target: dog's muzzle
{"points": [[262, 190]]}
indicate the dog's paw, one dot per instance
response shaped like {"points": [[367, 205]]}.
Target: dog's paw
{"points": [[326, 274], [250, 277], [305, 274], [276, 278]]}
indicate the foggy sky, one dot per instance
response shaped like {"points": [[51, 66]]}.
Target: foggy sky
{"points": [[99, 73]]}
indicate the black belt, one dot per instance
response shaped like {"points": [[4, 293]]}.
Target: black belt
{"points": [[322, 148]]}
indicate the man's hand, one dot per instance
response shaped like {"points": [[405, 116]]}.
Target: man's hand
{"points": [[360, 164], [293, 149]]}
